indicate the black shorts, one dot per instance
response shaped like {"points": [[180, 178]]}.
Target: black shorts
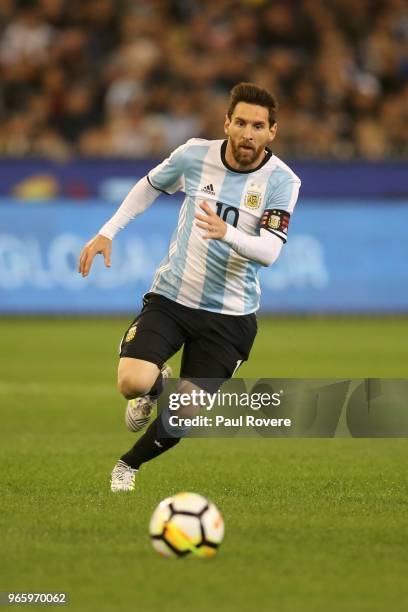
{"points": [[214, 344]]}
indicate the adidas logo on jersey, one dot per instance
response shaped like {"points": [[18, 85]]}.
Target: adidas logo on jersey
{"points": [[209, 189]]}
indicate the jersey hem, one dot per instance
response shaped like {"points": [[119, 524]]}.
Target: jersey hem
{"points": [[215, 311]]}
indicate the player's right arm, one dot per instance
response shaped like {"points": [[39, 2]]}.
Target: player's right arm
{"points": [[138, 199], [98, 244], [167, 177]]}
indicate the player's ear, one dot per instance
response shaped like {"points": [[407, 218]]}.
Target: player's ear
{"points": [[227, 123], [272, 131]]}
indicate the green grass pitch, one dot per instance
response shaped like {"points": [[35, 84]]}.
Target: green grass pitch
{"points": [[311, 525]]}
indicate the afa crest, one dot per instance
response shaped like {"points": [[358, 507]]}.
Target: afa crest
{"points": [[253, 199], [131, 333], [274, 221]]}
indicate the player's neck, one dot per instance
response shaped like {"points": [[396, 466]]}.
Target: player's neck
{"points": [[232, 162]]}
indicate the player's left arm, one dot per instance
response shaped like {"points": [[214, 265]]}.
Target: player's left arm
{"points": [[266, 247], [263, 249]]}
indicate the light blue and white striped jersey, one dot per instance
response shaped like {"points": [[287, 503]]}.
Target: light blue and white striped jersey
{"points": [[209, 274]]}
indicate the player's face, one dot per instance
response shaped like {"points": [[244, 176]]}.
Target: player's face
{"points": [[248, 133]]}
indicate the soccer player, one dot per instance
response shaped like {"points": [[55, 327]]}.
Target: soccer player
{"points": [[239, 197]]}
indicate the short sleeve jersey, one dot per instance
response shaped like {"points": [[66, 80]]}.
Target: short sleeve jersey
{"points": [[209, 274]]}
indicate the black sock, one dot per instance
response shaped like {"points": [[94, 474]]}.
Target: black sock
{"points": [[157, 387], [152, 444]]}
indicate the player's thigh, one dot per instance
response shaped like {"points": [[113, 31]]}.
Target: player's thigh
{"points": [[152, 338], [215, 355]]}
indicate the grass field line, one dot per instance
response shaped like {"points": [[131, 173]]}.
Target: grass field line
{"points": [[55, 388]]}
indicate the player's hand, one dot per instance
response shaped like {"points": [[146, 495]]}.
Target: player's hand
{"points": [[216, 228], [98, 244]]}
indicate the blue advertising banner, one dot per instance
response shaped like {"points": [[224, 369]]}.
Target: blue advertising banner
{"points": [[110, 179], [342, 256]]}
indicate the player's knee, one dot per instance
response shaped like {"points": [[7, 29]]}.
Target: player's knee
{"points": [[136, 377], [131, 386]]}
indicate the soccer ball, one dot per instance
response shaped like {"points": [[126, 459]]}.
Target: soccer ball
{"points": [[186, 524]]}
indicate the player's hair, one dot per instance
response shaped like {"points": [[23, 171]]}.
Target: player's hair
{"points": [[252, 94]]}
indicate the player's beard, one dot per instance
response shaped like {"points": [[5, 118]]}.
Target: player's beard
{"points": [[247, 156]]}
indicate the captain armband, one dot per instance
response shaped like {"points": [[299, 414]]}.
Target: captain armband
{"points": [[276, 221]]}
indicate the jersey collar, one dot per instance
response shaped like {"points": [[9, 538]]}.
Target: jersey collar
{"points": [[226, 164]]}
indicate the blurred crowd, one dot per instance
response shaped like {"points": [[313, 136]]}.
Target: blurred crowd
{"points": [[130, 78]]}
